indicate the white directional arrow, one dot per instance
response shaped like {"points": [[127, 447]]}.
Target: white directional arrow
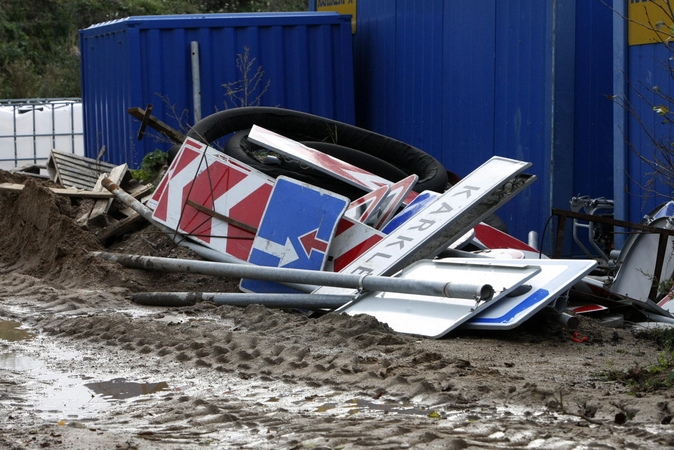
{"points": [[286, 253]]}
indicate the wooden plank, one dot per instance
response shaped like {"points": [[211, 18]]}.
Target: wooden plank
{"points": [[139, 190], [14, 187], [157, 124], [219, 216], [120, 227], [101, 207]]}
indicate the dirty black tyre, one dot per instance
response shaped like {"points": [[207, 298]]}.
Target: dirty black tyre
{"points": [[308, 127], [239, 147]]}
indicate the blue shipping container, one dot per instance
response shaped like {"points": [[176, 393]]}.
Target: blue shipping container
{"points": [[464, 81], [307, 59]]}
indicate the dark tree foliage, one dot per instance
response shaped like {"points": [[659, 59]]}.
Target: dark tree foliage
{"points": [[39, 54]]}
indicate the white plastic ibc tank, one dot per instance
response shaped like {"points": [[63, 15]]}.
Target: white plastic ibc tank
{"points": [[29, 132]]}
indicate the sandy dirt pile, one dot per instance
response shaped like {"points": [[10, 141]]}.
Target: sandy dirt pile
{"points": [[261, 378]]}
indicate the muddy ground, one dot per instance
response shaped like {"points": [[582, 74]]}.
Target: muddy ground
{"points": [[81, 366]]}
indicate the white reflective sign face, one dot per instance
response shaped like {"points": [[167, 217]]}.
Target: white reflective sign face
{"points": [[423, 228]]}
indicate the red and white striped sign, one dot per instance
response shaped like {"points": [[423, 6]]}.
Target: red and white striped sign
{"points": [[320, 161], [363, 207], [189, 144], [392, 202], [214, 199], [352, 239]]}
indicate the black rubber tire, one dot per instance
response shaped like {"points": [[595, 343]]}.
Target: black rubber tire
{"points": [[240, 148], [308, 127]]}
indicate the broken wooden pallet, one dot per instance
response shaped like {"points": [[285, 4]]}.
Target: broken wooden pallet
{"points": [[76, 171], [123, 220]]}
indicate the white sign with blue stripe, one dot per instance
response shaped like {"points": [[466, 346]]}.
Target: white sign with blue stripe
{"points": [[557, 276], [295, 232]]}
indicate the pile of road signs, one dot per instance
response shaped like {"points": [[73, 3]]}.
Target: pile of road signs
{"points": [[392, 231]]}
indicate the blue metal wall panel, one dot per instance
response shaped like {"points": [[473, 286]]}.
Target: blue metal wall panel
{"points": [[375, 57], [646, 71], [468, 80], [107, 79], [468, 86], [468, 83], [307, 57], [419, 74], [522, 106], [593, 147]]}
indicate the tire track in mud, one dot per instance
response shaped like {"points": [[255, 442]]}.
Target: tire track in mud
{"points": [[352, 357], [12, 283], [358, 356]]}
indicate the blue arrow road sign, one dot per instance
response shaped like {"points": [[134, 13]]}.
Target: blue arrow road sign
{"points": [[295, 232]]}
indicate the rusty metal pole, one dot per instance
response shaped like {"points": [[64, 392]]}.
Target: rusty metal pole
{"points": [[300, 301]]}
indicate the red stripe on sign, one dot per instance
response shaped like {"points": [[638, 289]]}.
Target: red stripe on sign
{"points": [[588, 308], [160, 189], [211, 183], [169, 174], [342, 226], [184, 159], [350, 255], [194, 145], [187, 156], [493, 238], [248, 211], [411, 195], [236, 163]]}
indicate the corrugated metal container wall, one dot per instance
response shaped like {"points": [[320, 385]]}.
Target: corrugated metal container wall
{"points": [[460, 94], [647, 70], [306, 57], [593, 111], [468, 80]]}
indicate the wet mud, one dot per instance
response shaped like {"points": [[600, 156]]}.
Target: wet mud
{"points": [[81, 366]]}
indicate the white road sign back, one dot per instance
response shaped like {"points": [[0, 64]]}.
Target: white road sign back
{"points": [[436, 316]]}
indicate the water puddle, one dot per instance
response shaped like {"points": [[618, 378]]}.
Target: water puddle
{"points": [[58, 384], [68, 395], [393, 408], [11, 331], [121, 389], [58, 392]]}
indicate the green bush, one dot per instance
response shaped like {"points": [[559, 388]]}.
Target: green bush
{"points": [[151, 167]]}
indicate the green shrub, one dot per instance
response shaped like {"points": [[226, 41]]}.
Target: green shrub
{"points": [[151, 167]]}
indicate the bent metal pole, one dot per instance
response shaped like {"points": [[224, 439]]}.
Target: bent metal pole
{"points": [[482, 292], [300, 301], [179, 238]]}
